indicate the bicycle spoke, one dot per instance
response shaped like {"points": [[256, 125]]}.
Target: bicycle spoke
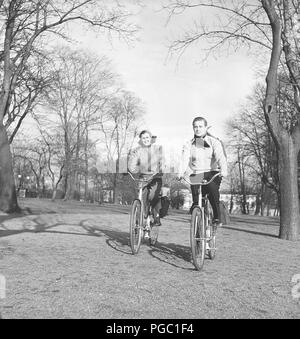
{"points": [[135, 227], [198, 242]]}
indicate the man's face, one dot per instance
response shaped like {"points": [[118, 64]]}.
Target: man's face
{"points": [[199, 128], [146, 139]]}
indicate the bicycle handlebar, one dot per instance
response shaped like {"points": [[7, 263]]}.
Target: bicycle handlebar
{"points": [[203, 183], [142, 180]]}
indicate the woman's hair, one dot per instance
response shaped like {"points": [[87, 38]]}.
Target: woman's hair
{"points": [[200, 119], [144, 132]]}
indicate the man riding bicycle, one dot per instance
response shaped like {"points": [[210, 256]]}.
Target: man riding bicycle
{"points": [[205, 155], [147, 159]]}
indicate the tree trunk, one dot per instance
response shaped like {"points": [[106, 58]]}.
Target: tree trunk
{"points": [[54, 194], [86, 161], [69, 178], [116, 180], [287, 142], [8, 197], [289, 199], [299, 175], [242, 181], [231, 204], [257, 204]]}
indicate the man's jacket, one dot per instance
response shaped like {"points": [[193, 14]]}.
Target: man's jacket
{"points": [[203, 155], [146, 160]]}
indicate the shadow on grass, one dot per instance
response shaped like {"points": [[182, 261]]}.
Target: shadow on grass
{"points": [[37, 229], [23, 213], [172, 254], [250, 232], [115, 239], [118, 240], [36, 226], [255, 220]]}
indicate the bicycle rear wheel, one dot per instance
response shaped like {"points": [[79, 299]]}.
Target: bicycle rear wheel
{"points": [[197, 238], [136, 227]]}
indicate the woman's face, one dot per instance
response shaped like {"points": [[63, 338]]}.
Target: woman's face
{"points": [[146, 139], [199, 128]]}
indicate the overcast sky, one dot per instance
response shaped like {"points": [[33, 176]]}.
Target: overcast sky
{"points": [[175, 92]]}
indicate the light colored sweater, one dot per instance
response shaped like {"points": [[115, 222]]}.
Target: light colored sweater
{"points": [[201, 155], [146, 160]]}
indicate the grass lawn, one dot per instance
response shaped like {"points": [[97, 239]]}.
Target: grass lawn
{"points": [[72, 260]]}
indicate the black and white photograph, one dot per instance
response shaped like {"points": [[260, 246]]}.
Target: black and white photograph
{"points": [[150, 162]]}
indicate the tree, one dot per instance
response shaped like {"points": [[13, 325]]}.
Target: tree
{"points": [[273, 25], [35, 157], [27, 26], [31, 84], [119, 126], [249, 133], [81, 86], [52, 144]]}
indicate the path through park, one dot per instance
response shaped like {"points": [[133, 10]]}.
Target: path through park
{"points": [[70, 260]]}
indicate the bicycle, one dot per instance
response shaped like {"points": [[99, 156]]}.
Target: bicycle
{"points": [[140, 226], [202, 232]]}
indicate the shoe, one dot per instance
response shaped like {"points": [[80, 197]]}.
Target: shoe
{"points": [[157, 221], [217, 223], [146, 235]]}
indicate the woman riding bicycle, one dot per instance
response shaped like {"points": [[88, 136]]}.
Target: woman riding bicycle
{"points": [[205, 155], [146, 160]]}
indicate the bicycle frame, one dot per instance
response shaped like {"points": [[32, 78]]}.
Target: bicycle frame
{"points": [[141, 185], [202, 236], [204, 207], [201, 183]]}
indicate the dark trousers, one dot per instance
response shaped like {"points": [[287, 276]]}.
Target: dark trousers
{"points": [[213, 191], [151, 197]]}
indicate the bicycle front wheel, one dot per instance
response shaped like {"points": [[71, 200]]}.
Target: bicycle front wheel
{"points": [[197, 238], [136, 227]]}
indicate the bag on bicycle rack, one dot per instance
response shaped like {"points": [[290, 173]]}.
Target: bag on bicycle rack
{"points": [[224, 214], [165, 203]]}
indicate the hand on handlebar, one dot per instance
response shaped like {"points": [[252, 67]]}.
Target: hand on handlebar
{"points": [[199, 181], [142, 176], [223, 174]]}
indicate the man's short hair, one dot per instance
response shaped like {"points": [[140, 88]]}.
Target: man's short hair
{"points": [[200, 119], [144, 132]]}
